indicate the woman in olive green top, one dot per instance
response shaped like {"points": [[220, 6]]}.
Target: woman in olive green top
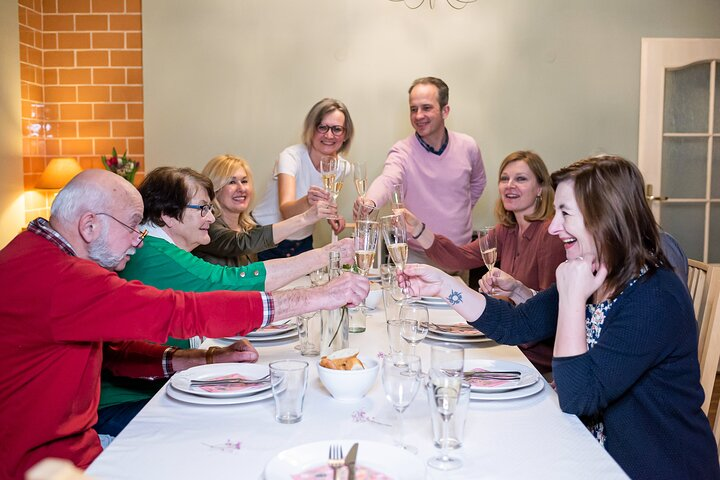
{"points": [[177, 216], [235, 238]]}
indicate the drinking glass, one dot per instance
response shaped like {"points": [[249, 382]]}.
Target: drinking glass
{"points": [[447, 359], [366, 237], [309, 331], [415, 323], [319, 277], [367, 211], [288, 379], [360, 177], [401, 376], [449, 398], [395, 234], [488, 247], [328, 172], [397, 197]]}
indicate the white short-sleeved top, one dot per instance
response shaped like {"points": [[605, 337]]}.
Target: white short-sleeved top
{"points": [[294, 161]]}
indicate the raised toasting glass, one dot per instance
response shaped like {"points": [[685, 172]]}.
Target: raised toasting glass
{"points": [[360, 177], [488, 247], [395, 234], [366, 237]]}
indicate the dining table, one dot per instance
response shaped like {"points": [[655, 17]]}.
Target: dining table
{"points": [[505, 437]]}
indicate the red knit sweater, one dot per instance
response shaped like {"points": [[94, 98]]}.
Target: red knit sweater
{"points": [[55, 312]]}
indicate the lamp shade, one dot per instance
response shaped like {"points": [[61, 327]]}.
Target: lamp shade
{"points": [[58, 173]]}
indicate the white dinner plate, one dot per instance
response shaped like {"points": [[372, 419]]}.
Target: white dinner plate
{"points": [[389, 460], [509, 395], [198, 400], [528, 376], [181, 380], [443, 338], [267, 338], [272, 330], [463, 330]]}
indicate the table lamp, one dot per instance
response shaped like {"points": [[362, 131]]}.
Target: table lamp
{"points": [[58, 173]]}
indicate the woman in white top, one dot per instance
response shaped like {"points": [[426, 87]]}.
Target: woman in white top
{"points": [[296, 184]]}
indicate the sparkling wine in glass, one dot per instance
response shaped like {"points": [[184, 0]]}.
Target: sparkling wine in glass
{"points": [[401, 377], [488, 247], [397, 197], [366, 237], [328, 172], [395, 234], [360, 177], [415, 323]]}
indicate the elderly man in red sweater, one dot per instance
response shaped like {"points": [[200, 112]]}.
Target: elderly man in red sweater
{"points": [[62, 299]]}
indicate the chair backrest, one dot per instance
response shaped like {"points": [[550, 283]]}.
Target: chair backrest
{"points": [[709, 338], [697, 276]]}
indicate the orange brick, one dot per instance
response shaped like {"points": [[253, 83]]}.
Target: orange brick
{"points": [[134, 76], [133, 6], [26, 3], [76, 111], [109, 75], [39, 39], [50, 76], [75, 76], [127, 94], [26, 164], [104, 146], [92, 58], [136, 146], [109, 111], [35, 93], [74, 146], [108, 40], [26, 108], [37, 165], [74, 6], [94, 129], [94, 94], [52, 146], [34, 20], [86, 163], [49, 40], [34, 56], [58, 23], [22, 15], [100, 6], [126, 22], [126, 58], [24, 57], [135, 111], [73, 40], [127, 129], [27, 73], [59, 58], [60, 94], [134, 39], [49, 6], [91, 22], [30, 181], [27, 36], [63, 129]]}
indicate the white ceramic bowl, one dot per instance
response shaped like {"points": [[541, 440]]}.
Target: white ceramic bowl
{"points": [[374, 296], [349, 385]]}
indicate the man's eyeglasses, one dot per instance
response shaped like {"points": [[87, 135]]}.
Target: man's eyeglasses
{"points": [[204, 209], [140, 234], [336, 130]]}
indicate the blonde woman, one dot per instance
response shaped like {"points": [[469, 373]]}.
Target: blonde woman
{"points": [[235, 236]]}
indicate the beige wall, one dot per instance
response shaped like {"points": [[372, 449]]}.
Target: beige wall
{"points": [[11, 167], [556, 76]]}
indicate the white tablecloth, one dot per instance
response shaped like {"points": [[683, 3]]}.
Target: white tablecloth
{"points": [[516, 439]]}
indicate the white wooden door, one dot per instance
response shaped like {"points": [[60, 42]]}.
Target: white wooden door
{"points": [[679, 142]]}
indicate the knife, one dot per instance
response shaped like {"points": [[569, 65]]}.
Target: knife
{"points": [[350, 461]]}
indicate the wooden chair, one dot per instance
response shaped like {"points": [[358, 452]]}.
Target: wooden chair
{"points": [[709, 338], [697, 277]]}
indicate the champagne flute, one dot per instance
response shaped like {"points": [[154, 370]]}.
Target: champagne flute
{"points": [[338, 183], [488, 247], [328, 172], [366, 237], [360, 177], [415, 323], [395, 234], [445, 395], [397, 198], [401, 381]]}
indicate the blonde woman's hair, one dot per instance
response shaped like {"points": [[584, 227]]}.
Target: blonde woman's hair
{"points": [[220, 170], [543, 203], [315, 116]]}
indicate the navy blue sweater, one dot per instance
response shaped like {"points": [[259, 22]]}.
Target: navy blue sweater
{"points": [[642, 376]]}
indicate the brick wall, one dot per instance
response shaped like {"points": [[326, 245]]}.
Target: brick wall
{"points": [[81, 79]]}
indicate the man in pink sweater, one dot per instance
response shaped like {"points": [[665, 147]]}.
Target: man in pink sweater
{"points": [[441, 172], [61, 299]]}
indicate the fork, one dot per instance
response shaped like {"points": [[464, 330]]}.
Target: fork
{"points": [[507, 375], [335, 459], [229, 381]]}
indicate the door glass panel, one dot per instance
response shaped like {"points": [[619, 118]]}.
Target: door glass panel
{"points": [[715, 181], [687, 99], [683, 168], [714, 246], [685, 222]]}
